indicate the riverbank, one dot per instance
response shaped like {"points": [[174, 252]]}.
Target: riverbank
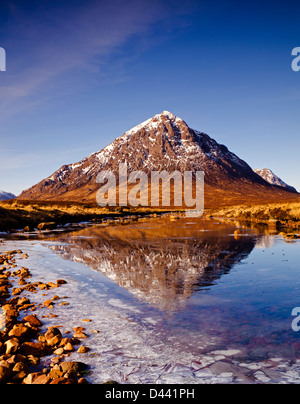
{"points": [[283, 215], [30, 215], [34, 215], [23, 346]]}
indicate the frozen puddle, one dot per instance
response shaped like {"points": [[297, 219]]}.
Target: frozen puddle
{"points": [[128, 342]]}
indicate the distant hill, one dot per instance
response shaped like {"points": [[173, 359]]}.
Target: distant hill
{"points": [[5, 196], [273, 179]]}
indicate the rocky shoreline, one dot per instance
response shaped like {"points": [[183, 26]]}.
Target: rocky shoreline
{"points": [[23, 347]]}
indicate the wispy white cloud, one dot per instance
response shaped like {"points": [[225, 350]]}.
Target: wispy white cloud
{"points": [[56, 50], [50, 52]]}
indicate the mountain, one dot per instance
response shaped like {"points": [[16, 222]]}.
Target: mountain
{"points": [[273, 179], [164, 142], [4, 196], [164, 277]]}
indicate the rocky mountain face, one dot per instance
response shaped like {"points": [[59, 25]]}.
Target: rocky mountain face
{"points": [[273, 179], [164, 142], [5, 196]]}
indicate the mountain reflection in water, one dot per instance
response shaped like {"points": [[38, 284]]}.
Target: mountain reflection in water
{"points": [[161, 262]]}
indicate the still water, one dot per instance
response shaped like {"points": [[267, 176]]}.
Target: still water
{"points": [[184, 301]]}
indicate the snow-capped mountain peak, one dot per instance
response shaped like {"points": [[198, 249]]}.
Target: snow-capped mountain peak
{"points": [[153, 123], [162, 143], [272, 178], [4, 196]]}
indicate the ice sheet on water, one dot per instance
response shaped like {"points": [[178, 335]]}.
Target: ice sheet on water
{"points": [[120, 304], [130, 346], [124, 349]]}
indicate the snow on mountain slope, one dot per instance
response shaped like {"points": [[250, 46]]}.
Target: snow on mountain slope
{"points": [[4, 196], [164, 142], [273, 179]]}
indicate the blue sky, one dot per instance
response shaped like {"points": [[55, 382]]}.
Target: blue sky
{"points": [[81, 73]]}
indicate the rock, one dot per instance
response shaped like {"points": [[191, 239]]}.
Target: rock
{"points": [[18, 354], [53, 336], [83, 349], [67, 341], [33, 320], [19, 331], [82, 380], [31, 377], [20, 367], [61, 282], [19, 376], [5, 364], [11, 313], [43, 286], [52, 285], [59, 351], [80, 335], [33, 348], [56, 372], [16, 291], [22, 301], [48, 303], [78, 329], [68, 347], [42, 379], [12, 345], [5, 374], [17, 359], [72, 367]]}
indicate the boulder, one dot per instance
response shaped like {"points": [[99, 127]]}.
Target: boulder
{"points": [[61, 282], [11, 345], [5, 374], [53, 336], [33, 320], [75, 367], [19, 331], [83, 349], [42, 379], [33, 348], [80, 335], [31, 377]]}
